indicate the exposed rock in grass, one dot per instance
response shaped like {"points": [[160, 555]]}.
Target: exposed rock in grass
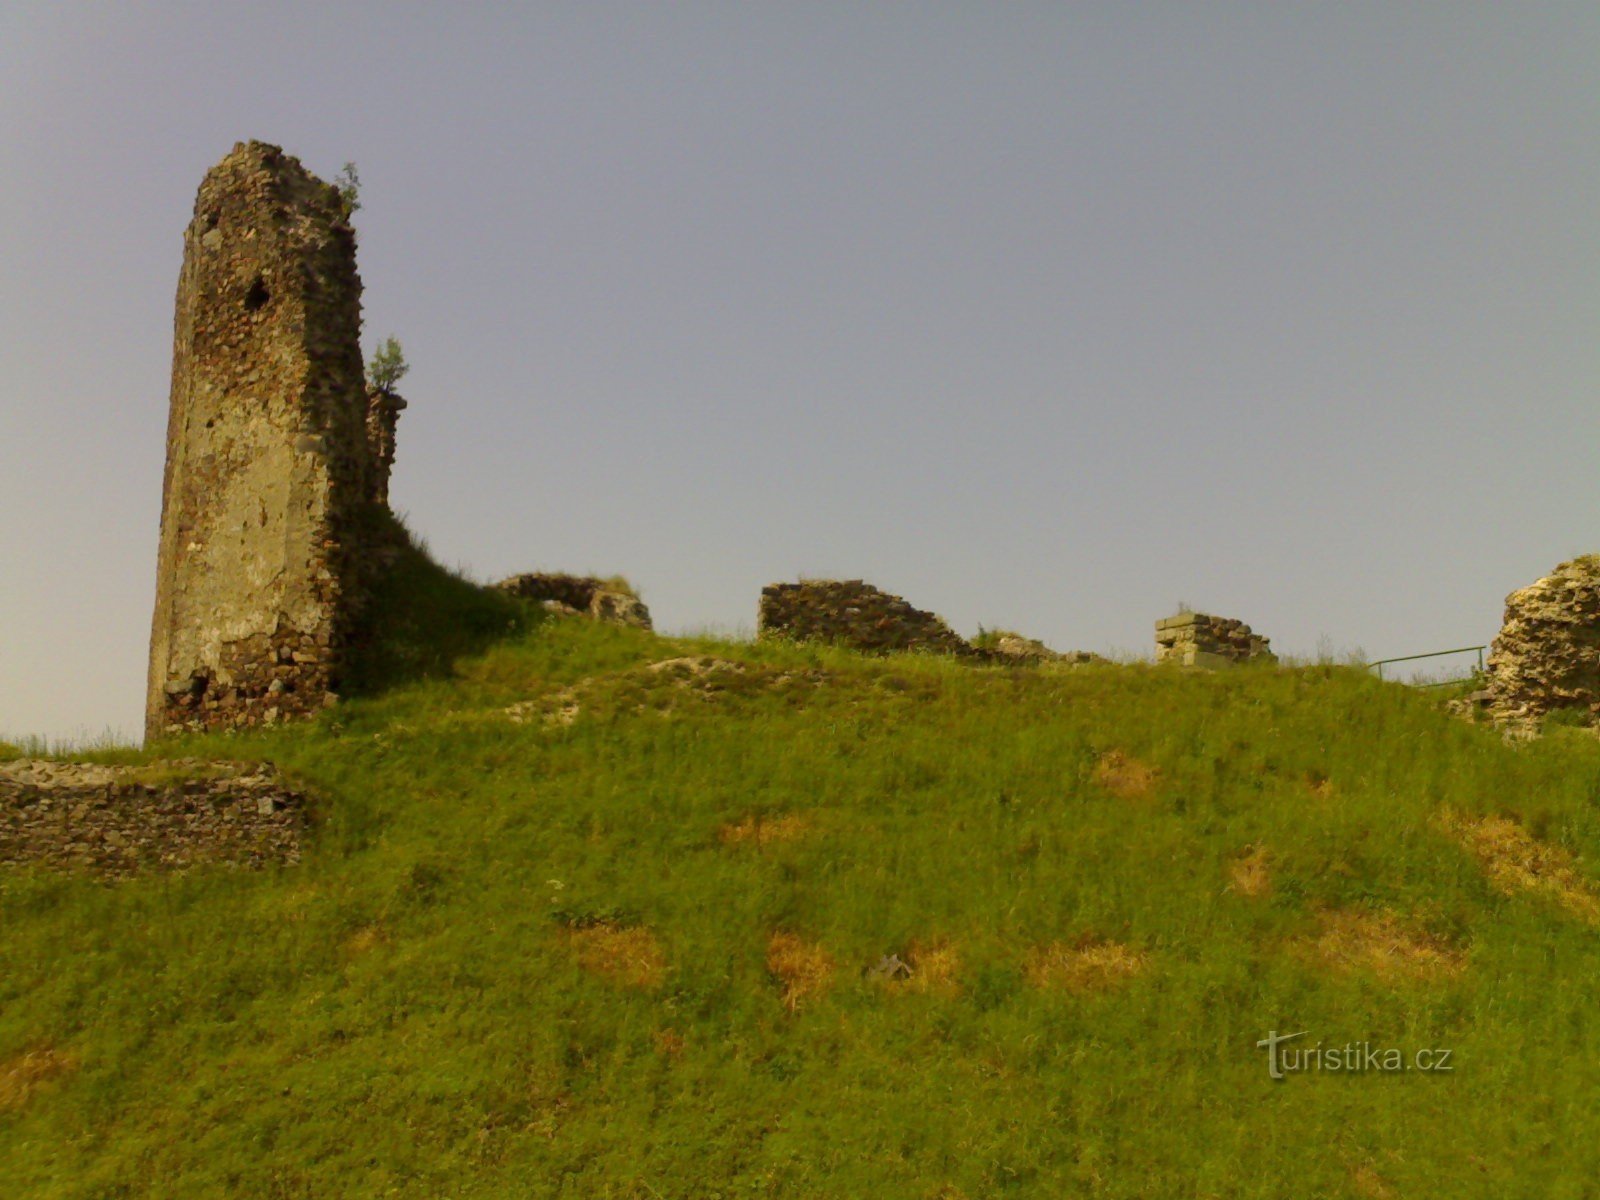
{"points": [[804, 968], [559, 708], [693, 669], [1125, 776], [1547, 654], [173, 814], [25, 1074], [1517, 862], [891, 968], [660, 687], [627, 954], [1381, 942], [1091, 964]]}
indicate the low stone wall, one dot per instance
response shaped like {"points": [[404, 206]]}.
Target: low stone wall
{"points": [[1200, 640], [855, 614], [1547, 654], [116, 820], [607, 600]]}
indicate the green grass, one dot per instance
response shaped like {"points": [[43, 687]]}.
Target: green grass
{"points": [[410, 1013]]}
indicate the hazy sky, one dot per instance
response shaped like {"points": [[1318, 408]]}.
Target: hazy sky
{"points": [[1043, 316]]}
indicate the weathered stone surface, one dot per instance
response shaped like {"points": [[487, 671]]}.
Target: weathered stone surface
{"points": [[383, 415], [174, 814], [608, 600], [1013, 647], [1194, 639], [1016, 650], [855, 614], [1547, 654], [271, 468]]}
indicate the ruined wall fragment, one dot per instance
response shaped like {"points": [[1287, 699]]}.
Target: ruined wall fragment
{"points": [[270, 471], [852, 613], [610, 601], [1547, 654], [173, 814], [1194, 639], [383, 416]]}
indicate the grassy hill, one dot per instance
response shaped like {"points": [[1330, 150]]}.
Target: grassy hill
{"points": [[576, 925]]}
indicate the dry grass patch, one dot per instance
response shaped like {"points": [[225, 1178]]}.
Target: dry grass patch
{"points": [[1089, 965], [757, 830], [1319, 785], [1367, 1182], [627, 954], [1124, 776], [1381, 942], [25, 1074], [1250, 872], [935, 967], [803, 968], [1516, 861], [367, 938]]}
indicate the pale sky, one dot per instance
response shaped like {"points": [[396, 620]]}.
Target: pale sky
{"points": [[1045, 316]]}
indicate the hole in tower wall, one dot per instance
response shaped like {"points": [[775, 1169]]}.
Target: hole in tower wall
{"points": [[257, 295]]}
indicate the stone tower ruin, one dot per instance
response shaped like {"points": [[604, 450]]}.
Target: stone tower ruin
{"points": [[277, 454]]}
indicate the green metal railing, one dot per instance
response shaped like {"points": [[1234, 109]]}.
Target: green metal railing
{"points": [[1431, 654]]}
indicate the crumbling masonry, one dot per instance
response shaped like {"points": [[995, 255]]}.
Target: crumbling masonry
{"points": [[1200, 640], [1547, 655], [278, 454]]}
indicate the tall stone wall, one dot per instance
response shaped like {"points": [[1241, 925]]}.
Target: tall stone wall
{"points": [[1194, 639], [1547, 654], [852, 613], [271, 469]]}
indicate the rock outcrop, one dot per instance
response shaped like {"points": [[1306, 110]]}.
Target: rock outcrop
{"points": [[1194, 639], [1547, 654], [275, 454], [608, 600], [117, 820], [854, 614]]}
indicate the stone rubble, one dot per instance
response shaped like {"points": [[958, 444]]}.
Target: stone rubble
{"points": [[606, 600], [855, 614]]}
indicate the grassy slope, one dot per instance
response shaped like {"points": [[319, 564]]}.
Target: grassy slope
{"points": [[409, 1012]]}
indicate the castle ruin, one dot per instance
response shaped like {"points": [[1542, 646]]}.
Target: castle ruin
{"points": [[1194, 639], [1546, 657], [278, 454]]}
